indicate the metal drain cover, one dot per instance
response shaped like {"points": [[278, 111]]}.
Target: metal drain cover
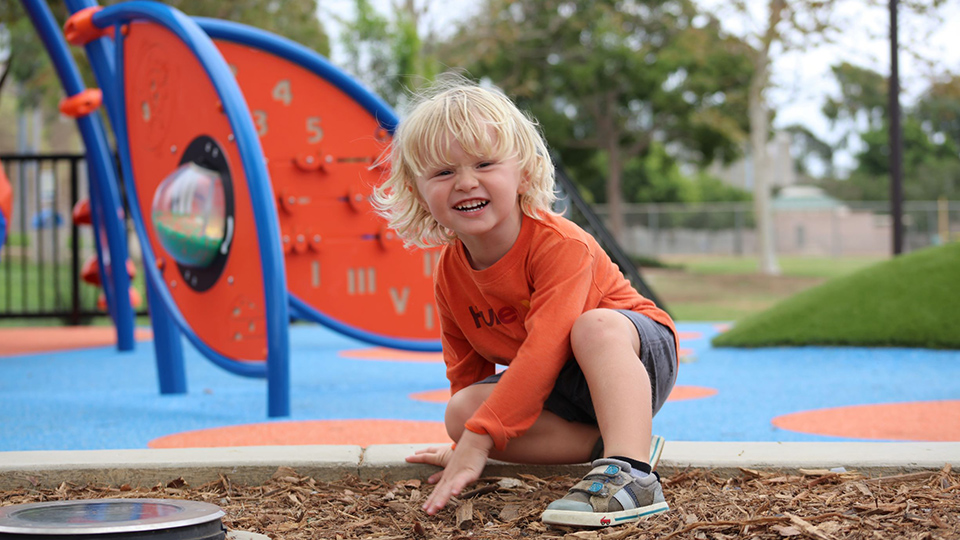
{"points": [[102, 519]]}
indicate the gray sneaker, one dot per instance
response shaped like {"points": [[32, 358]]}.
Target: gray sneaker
{"points": [[608, 495]]}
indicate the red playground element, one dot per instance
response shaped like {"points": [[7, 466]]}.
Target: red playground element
{"points": [[135, 300], [89, 273], [81, 212], [82, 104], [170, 105], [6, 199], [322, 147], [80, 30]]}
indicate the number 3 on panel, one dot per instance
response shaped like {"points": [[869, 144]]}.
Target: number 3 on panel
{"points": [[260, 120]]}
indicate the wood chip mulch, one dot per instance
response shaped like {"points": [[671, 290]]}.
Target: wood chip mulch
{"points": [[815, 504]]}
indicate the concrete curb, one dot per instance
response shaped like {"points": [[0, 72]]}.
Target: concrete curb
{"points": [[254, 465]]}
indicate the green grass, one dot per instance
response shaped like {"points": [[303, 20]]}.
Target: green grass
{"points": [[909, 301]]}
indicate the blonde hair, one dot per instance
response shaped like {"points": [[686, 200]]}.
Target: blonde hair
{"points": [[485, 122]]}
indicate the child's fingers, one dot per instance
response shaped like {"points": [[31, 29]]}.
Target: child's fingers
{"points": [[435, 503], [435, 477], [417, 458], [426, 455], [440, 496], [444, 491], [459, 482]]}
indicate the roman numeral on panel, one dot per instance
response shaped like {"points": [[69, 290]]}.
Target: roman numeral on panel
{"points": [[361, 280], [399, 299], [428, 321]]}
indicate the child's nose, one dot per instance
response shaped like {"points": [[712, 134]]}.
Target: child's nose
{"points": [[466, 181]]}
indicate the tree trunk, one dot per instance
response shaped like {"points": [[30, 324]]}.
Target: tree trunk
{"points": [[759, 126], [759, 130], [615, 189]]}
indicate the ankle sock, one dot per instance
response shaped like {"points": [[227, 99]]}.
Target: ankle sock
{"points": [[638, 469]]}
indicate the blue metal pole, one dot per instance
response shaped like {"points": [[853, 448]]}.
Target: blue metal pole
{"points": [[105, 204], [167, 342]]}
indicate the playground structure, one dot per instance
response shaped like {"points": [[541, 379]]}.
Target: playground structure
{"points": [[6, 201], [247, 162]]}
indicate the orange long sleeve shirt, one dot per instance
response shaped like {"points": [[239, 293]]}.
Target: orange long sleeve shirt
{"points": [[519, 313]]}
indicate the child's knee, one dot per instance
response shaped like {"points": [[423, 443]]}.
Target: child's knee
{"points": [[597, 326], [461, 407]]}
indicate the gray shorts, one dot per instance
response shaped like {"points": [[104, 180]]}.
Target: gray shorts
{"points": [[570, 398]]}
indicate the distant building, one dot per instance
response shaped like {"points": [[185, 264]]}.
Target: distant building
{"points": [[807, 221], [740, 173]]}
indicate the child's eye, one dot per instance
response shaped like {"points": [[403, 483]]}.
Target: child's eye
{"points": [[484, 164]]}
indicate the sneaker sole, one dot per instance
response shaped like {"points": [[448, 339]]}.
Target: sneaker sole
{"points": [[601, 519], [656, 449]]}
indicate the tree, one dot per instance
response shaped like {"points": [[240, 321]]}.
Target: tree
{"points": [[388, 55], [931, 169], [809, 149], [779, 26], [613, 77], [29, 66], [293, 19], [939, 109], [862, 104], [782, 26], [931, 137]]}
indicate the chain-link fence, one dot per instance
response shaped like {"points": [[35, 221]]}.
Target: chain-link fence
{"points": [[832, 229]]}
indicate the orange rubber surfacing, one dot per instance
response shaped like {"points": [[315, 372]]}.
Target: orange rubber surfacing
{"points": [[910, 421], [392, 355], [349, 432], [38, 340]]}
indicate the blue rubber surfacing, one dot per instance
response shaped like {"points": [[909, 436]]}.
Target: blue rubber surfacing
{"points": [[103, 399]]}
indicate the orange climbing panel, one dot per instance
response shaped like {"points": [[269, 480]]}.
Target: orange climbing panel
{"points": [[174, 116], [321, 147]]}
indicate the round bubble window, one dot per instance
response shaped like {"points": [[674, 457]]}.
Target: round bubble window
{"points": [[192, 213], [189, 215]]}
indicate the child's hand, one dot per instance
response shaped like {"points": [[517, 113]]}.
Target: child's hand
{"points": [[464, 466], [435, 455]]}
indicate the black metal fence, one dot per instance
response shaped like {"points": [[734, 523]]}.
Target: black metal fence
{"points": [[42, 260]]}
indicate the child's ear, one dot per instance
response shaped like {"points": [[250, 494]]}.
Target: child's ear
{"points": [[524, 183]]}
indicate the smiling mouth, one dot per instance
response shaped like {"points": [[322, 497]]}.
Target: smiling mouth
{"points": [[471, 206]]}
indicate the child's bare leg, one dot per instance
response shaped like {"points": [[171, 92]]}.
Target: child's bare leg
{"points": [[551, 439], [607, 348]]}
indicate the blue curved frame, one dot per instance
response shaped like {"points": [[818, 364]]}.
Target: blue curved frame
{"points": [[313, 62], [3, 230], [105, 201], [171, 373], [277, 369]]}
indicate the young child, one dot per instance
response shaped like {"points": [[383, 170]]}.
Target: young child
{"points": [[520, 286]]}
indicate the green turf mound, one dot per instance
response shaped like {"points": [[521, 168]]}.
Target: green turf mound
{"points": [[910, 301]]}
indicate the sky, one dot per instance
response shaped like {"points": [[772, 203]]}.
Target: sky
{"points": [[802, 80]]}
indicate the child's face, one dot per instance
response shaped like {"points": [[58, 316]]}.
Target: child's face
{"points": [[476, 197]]}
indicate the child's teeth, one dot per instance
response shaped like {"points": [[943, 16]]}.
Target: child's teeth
{"points": [[471, 206]]}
